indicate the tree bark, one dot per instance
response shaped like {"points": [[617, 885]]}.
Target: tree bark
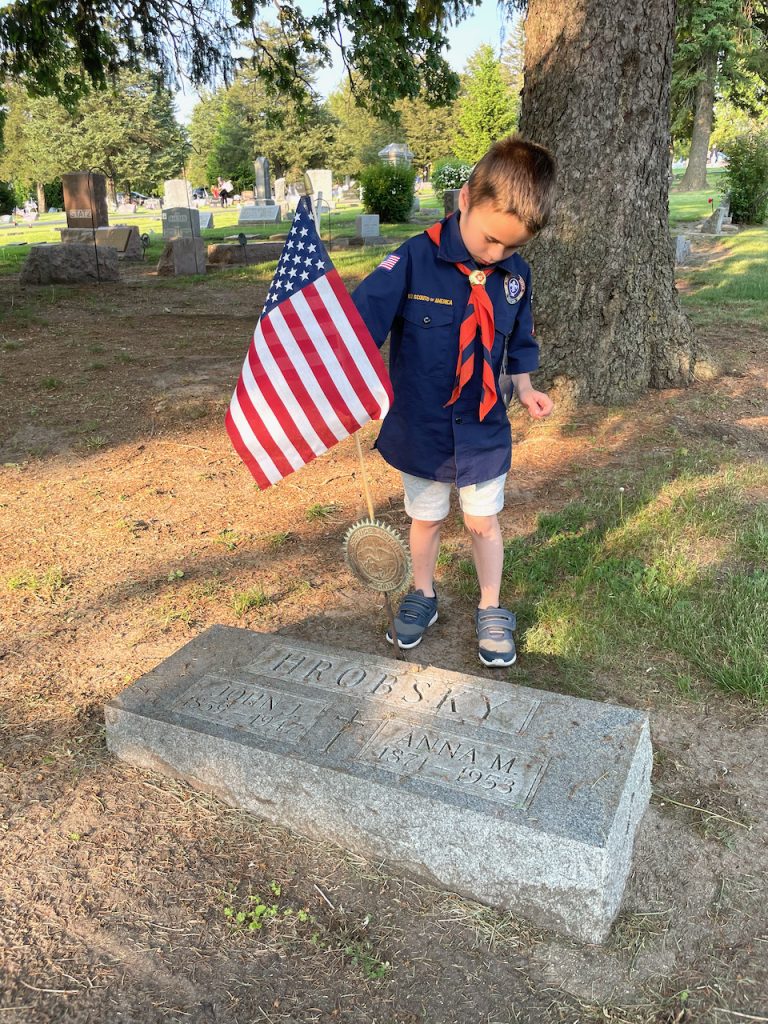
{"points": [[596, 92], [41, 207], [695, 176]]}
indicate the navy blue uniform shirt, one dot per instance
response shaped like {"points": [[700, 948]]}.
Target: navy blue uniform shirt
{"points": [[420, 296]]}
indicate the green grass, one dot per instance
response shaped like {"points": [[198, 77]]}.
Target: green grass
{"points": [[691, 206], [682, 574], [735, 283]]}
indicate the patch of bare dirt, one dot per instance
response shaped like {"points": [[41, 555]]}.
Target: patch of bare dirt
{"points": [[128, 525]]}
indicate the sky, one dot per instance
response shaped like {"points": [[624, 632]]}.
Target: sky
{"points": [[484, 26]]}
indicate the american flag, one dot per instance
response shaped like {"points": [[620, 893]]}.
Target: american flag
{"points": [[313, 375]]}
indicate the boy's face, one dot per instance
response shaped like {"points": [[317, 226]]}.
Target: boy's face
{"points": [[489, 234]]}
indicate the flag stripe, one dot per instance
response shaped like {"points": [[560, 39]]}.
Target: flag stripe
{"points": [[325, 333], [371, 362], [272, 356], [319, 361], [352, 355], [279, 422], [242, 450], [262, 441], [265, 423], [251, 442], [296, 370]]}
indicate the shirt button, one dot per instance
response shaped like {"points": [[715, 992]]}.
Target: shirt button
{"points": [[427, 320], [457, 420]]}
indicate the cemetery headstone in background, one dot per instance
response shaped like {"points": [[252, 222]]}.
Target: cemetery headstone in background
{"points": [[523, 799], [177, 193], [451, 200], [367, 229], [181, 222], [182, 256], [206, 219], [75, 263], [85, 199], [259, 214], [262, 186], [125, 238]]}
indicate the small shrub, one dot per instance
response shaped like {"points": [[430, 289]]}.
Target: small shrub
{"points": [[388, 191], [746, 176], [448, 174]]}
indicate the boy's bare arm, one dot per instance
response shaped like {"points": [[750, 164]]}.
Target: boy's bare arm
{"points": [[536, 402]]}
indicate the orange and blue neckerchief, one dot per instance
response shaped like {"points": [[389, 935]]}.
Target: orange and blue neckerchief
{"points": [[479, 314]]}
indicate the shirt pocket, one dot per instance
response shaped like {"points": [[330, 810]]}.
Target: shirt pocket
{"points": [[430, 338]]}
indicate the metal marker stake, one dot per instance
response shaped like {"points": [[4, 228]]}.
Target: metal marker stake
{"points": [[369, 502]]}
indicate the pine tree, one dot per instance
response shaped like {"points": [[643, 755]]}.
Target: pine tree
{"points": [[486, 111]]}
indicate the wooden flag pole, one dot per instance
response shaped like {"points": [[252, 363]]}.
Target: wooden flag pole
{"points": [[369, 502]]}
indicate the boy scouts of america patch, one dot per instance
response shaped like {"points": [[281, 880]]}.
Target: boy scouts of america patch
{"points": [[389, 263], [514, 288]]}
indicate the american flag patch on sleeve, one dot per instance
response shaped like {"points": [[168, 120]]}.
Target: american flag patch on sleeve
{"points": [[389, 263]]}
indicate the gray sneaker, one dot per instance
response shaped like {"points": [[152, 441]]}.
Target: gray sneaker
{"points": [[415, 615], [496, 646]]}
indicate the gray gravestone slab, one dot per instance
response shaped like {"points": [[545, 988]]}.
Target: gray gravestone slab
{"points": [[279, 191], [262, 187], [519, 798], [177, 193], [125, 238], [259, 215], [320, 185], [367, 225], [181, 222], [206, 219], [223, 254], [713, 225], [681, 248], [85, 199], [182, 256], [451, 200]]}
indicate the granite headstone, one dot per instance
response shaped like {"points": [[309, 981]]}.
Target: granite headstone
{"points": [[524, 799]]}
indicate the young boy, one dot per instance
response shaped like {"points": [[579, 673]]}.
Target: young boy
{"points": [[456, 299]]}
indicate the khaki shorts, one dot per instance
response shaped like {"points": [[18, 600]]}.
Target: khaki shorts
{"points": [[430, 500]]}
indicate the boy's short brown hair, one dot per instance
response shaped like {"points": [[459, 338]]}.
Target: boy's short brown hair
{"points": [[518, 177]]}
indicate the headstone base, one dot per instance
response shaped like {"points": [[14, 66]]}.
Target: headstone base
{"points": [[182, 256], [223, 254], [523, 799], [69, 264]]}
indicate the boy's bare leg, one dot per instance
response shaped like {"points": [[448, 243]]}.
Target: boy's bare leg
{"points": [[425, 544], [488, 554]]}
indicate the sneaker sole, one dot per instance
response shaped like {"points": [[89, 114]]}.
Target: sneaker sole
{"points": [[416, 642], [497, 662]]}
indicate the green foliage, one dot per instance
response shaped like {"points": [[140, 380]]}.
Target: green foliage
{"points": [[486, 109], [231, 154], [448, 174], [234, 125], [129, 131], [359, 134], [7, 198], [61, 47], [388, 191], [428, 129], [725, 35], [746, 176]]}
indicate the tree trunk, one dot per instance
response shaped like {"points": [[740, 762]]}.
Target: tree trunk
{"points": [[41, 207], [597, 76], [112, 191], [695, 176]]}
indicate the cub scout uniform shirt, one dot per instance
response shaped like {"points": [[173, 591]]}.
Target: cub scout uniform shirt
{"points": [[419, 296]]}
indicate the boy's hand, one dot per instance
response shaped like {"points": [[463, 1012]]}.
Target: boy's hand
{"points": [[537, 403]]}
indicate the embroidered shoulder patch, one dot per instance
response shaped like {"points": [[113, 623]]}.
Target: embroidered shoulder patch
{"points": [[389, 263]]}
